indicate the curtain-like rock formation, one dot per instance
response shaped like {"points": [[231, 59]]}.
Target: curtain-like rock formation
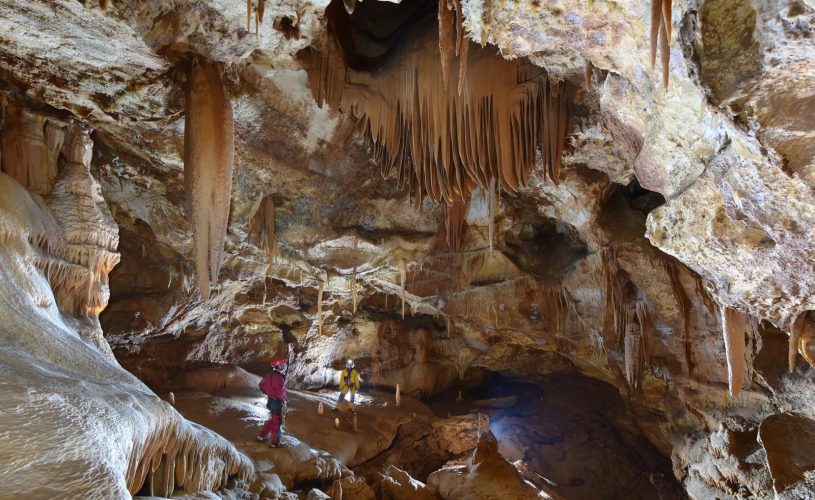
{"points": [[209, 148]]}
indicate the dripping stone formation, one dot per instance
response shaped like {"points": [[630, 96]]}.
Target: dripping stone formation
{"points": [[365, 249]]}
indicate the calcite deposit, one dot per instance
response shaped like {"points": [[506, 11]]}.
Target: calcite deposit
{"points": [[574, 237]]}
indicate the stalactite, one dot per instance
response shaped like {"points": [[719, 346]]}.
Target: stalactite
{"points": [[264, 291], [30, 148], [249, 16], [645, 330], [447, 39], [209, 144], [456, 216], [615, 309], [589, 69], [491, 200], [262, 229], [320, 308], [441, 144], [261, 9], [661, 25], [796, 329], [799, 339], [734, 326], [354, 286], [633, 356], [398, 395], [326, 68], [402, 277], [462, 45], [103, 4], [173, 457], [684, 304]]}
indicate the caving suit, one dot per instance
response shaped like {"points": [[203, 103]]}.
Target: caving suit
{"points": [[348, 382], [274, 386]]}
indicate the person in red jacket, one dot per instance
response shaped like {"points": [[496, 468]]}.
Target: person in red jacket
{"points": [[273, 386]]}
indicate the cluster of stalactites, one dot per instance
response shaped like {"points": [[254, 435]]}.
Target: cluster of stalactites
{"points": [[209, 147], [637, 343], [259, 10], [443, 136], [502, 304], [173, 457]]}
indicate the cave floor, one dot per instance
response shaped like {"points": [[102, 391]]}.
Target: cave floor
{"points": [[565, 433]]}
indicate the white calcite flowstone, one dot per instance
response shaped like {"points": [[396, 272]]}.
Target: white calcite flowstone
{"points": [[73, 421]]}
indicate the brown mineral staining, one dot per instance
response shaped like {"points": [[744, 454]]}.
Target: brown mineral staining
{"points": [[209, 146]]}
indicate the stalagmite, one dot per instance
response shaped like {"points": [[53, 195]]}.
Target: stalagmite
{"points": [[734, 326], [320, 308], [171, 398], [354, 420], [337, 423], [209, 144], [320, 409], [398, 395], [402, 277]]}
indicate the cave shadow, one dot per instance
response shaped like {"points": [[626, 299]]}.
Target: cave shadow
{"points": [[573, 431]]}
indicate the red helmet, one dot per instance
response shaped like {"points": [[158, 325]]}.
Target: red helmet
{"points": [[278, 362]]}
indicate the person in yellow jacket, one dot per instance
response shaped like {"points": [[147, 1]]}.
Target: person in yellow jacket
{"points": [[349, 381]]}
